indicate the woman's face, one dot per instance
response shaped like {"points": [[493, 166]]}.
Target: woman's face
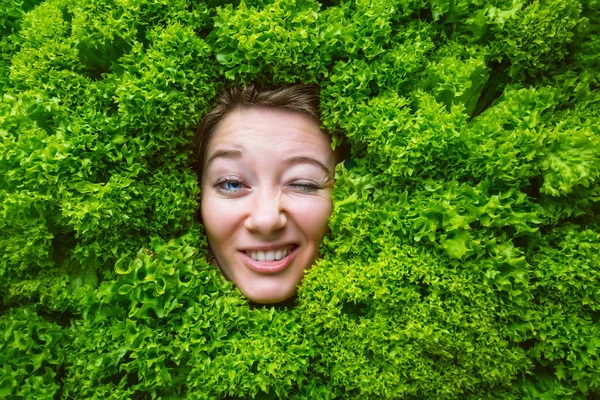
{"points": [[266, 199]]}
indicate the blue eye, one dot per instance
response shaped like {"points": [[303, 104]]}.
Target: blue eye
{"points": [[232, 185], [229, 185]]}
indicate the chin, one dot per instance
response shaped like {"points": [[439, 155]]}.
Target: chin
{"points": [[266, 296]]}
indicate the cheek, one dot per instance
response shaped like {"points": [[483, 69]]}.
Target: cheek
{"points": [[313, 217], [217, 217]]}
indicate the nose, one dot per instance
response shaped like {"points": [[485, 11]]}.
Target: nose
{"points": [[267, 215]]}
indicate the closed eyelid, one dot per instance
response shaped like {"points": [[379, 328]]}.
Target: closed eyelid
{"points": [[310, 185]]}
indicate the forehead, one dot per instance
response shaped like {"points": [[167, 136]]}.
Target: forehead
{"points": [[269, 128]]}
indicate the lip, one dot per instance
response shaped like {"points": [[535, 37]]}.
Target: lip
{"points": [[267, 248], [269, 267]]}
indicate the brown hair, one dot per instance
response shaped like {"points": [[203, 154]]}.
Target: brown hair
{"points": [[298, 98]]}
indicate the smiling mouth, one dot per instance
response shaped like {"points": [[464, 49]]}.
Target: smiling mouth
{"points": [[270, 261], [270, 255]]}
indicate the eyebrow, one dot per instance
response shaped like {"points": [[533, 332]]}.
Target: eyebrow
{"points": [[309, 160], [228, 153], [236, 154]]}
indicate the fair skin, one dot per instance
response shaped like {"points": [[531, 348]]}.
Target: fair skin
{"points": [[266, 199]]}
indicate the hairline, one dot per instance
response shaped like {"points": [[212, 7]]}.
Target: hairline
{"points": [[296, 98]]}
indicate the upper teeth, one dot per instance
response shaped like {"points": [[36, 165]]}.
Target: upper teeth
{"points": [[271, 255]]}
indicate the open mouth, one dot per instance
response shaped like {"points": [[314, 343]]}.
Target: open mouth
{"points": [[270, 261], [271, 255]]}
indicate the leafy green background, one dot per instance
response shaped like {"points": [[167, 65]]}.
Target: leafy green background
{"points": [[463, 259]]}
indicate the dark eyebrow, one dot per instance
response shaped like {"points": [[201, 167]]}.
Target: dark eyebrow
{"points": [[309, 160], [226, 153]]}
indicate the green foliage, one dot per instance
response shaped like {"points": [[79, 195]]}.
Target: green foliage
{"points": [[280, 40], [463, 258], [11, 13]]}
